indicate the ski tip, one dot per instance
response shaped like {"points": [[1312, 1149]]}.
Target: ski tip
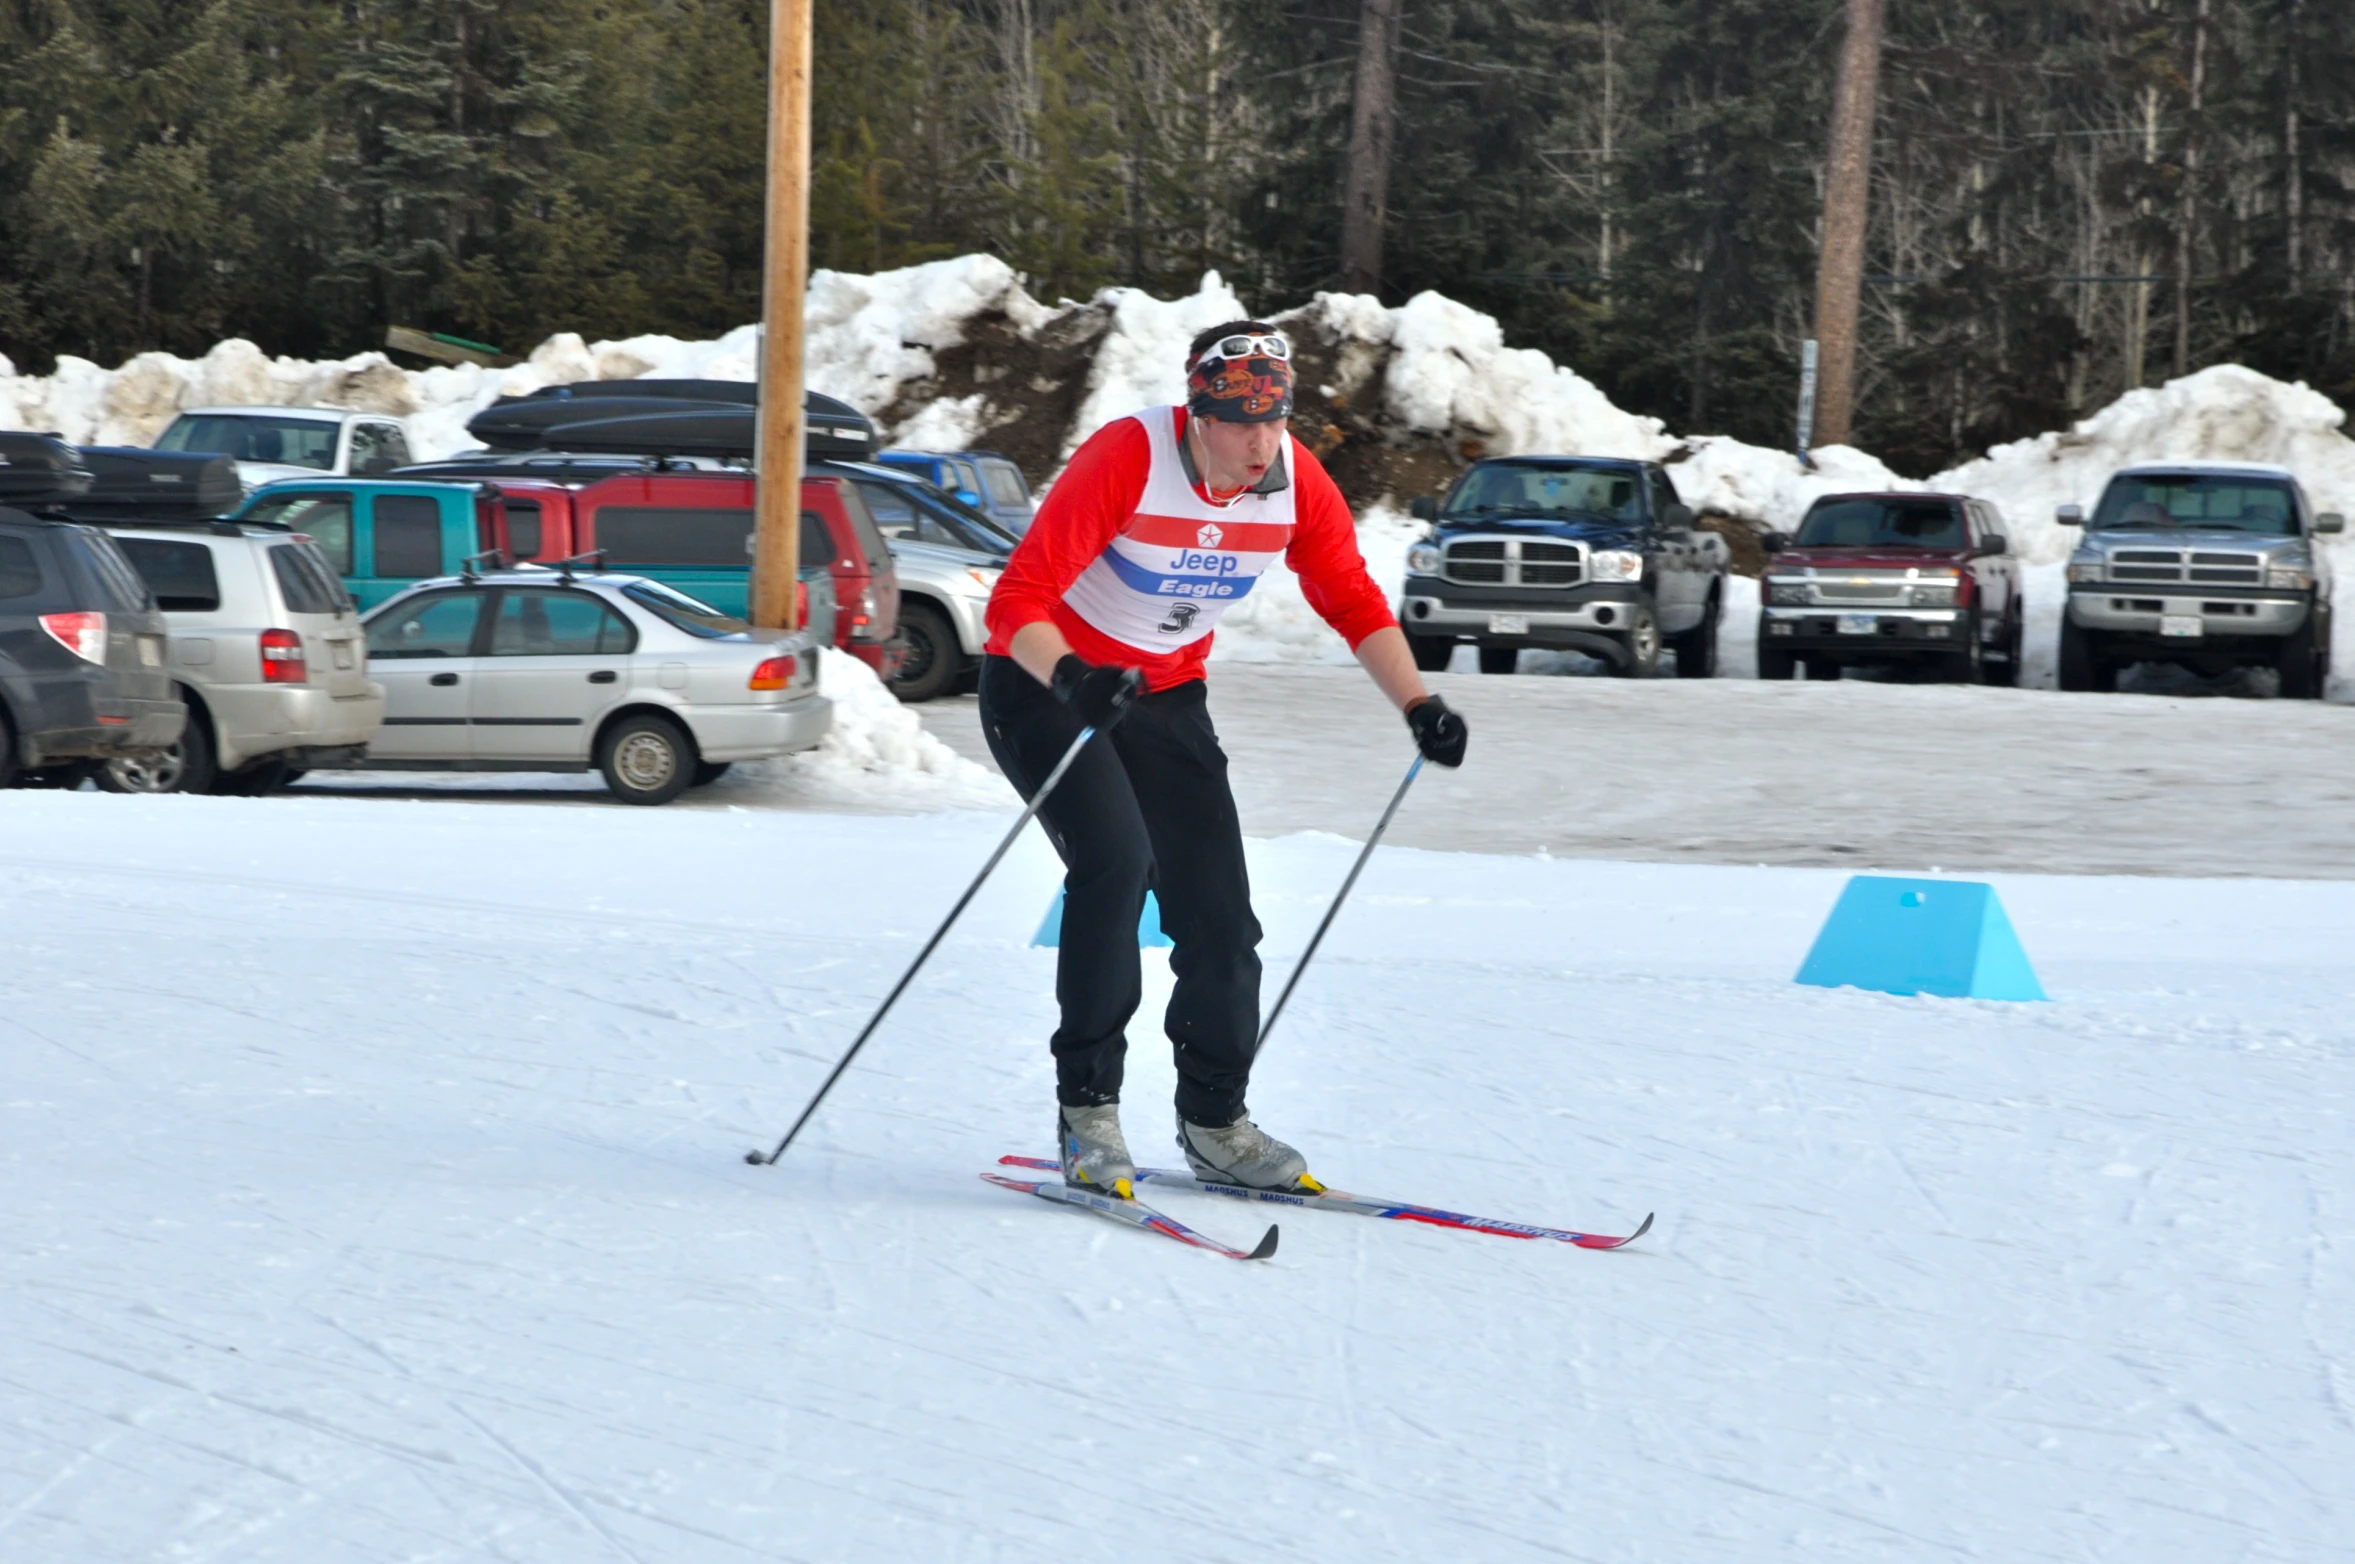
{"points": [[1642, 1228], [1267, 1245]]}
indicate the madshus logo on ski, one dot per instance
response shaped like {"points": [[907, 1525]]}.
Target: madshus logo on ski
{"points": [[1135, 1213]]}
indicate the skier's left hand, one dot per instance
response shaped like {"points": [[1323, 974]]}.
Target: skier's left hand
{"points": [[1439, 731]]}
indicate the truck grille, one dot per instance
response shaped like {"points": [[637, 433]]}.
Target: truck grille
{"points": [[1526, 562], [2187, 565], [1870, 587]]}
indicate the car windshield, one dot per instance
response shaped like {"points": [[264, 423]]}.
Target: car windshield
{"points": [[2207, 502], [1533, 489], [298, 442], [1882, 524], [920, 513], [683, 612]]}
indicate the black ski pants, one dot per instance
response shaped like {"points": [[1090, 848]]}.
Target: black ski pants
{"points": [[1144, 805]]}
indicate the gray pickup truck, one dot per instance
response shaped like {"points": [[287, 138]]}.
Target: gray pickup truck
{"points": [[2208, 565]]}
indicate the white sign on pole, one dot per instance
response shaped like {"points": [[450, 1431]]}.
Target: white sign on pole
{"points": [[1807, 361]]}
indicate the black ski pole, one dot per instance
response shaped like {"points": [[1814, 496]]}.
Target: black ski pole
{"points": [[1339, 897], [755, 1156]]}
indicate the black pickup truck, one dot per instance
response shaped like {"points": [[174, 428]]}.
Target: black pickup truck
{"points": [[1570, 553]]}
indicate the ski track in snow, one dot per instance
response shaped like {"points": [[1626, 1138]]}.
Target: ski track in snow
{"points": [[377, 1192]]}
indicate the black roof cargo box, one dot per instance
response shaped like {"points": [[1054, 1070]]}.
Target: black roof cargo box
{"points": [[39, 469], [131, 483], [833, 431]]}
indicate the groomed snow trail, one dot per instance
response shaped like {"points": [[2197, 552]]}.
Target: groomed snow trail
{"points": [[375, 1192]]}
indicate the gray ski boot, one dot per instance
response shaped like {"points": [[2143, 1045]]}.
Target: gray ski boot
{"points": [[1244, 1154], [1095, 1154]]}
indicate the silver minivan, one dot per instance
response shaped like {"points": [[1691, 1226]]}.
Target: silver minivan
{"points": [[267, 651]]}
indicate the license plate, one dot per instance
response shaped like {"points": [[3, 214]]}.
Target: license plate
{"points": [[2180, 624], [343, 654], [1508, 624], [1860, 624]]}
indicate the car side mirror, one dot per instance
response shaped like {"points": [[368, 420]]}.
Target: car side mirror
{"points": [[1991, 545], [1677, 518], [1423, 508], [970, 498], [2070, 515], [1774, 542], [2330, 521]]}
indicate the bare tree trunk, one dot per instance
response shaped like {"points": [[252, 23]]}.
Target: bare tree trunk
{"points": [[1373, 121], [2188, 208], [2138, 303], [1606, 192], [2293, 194], [1839, 278]]}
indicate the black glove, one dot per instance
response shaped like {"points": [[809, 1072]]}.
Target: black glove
{"points": [[1439, 733], [1096, 695]]}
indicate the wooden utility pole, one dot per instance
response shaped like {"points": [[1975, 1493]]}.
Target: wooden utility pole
{"points": [[776, 542], [1373, 123], [1839, 276]]}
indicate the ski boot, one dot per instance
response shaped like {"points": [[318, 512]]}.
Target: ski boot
{"points": [[1244, 1154], [1095, 1155]]}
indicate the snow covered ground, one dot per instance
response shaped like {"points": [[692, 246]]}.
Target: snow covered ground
{"points": [[375, 1192]]}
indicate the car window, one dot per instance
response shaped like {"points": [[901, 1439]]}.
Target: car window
{"points": [[408, 535], [1881, 523], [817, 544], [298, 442], [180, 575], [537, 622], [2225, 501], [675, 534], [439, 625], [1663, 494], [124, 587], [862, 522], [1534, 489], [1005, 483], [303, 582], [682, 612], [20, 568], [523, 528], [968, 477], [396, 446], [327, 518], [896, 515], [368, 454]]}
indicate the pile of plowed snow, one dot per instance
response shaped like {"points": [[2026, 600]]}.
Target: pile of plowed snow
{"points": [[1431, 374]]}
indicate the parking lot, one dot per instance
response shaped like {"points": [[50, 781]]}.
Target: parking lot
{"points": [[1837, 774]]}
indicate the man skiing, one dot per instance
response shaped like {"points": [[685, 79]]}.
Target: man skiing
{"points": [[1103, 619]]}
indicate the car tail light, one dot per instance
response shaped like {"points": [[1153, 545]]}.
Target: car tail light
{"points": [[801, 604], [282, 658], [83, 634], [864, 619], [773, 674]]}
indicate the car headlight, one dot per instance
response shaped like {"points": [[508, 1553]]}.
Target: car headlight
{"points": [[2293, 578], [2086, 572], [1786, 589], [1423, 559], [1933, 594], [1616, 564]]}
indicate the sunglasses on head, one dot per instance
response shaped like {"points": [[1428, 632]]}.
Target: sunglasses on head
{"points": [[1247, 346]]}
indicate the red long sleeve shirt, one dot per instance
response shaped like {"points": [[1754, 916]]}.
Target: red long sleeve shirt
{"points": [[1097, 496]]}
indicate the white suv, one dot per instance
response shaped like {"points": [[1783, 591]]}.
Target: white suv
{"points": [[266, 649], [269, 443]]}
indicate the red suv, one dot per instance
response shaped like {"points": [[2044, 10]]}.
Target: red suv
{"points": [[1925, 580]]}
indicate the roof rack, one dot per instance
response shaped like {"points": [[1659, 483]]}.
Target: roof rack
{"points": [[498, 561], [595, 561]]}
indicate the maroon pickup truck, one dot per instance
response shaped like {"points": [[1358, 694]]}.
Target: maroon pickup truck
{"points": [[1924, 581]]}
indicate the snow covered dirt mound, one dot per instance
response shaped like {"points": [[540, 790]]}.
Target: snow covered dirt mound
{"points": [[420, 1228]]}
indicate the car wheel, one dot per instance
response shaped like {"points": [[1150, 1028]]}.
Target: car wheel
{"points": [[1642, 642], [1696, 649], [646, 759], [709, 771], [2300, 669], [2080, 670], [1775, 663], [186, 767], [1968, 666], [1820, 670], [63, 777], [2006, 674], [931, 662], [1499, 659], [1432, 652]]}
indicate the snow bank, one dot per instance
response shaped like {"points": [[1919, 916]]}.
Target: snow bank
{"points": [[878, 756]]}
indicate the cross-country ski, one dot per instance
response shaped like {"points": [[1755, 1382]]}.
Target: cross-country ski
{"points": [[1335, 1200], [1132, 1213]]}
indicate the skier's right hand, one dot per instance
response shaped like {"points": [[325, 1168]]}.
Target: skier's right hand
{"points": [[1439, 731], [1097, 695]]}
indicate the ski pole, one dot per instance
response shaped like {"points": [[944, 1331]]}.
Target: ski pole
{"points": [[755, 1156], [1340, 896]]}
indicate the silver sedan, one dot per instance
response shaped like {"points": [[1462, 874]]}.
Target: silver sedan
{"points": [[534, 669]]}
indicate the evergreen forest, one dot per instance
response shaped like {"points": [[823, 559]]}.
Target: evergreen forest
{"points": [[2068, 198]]}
